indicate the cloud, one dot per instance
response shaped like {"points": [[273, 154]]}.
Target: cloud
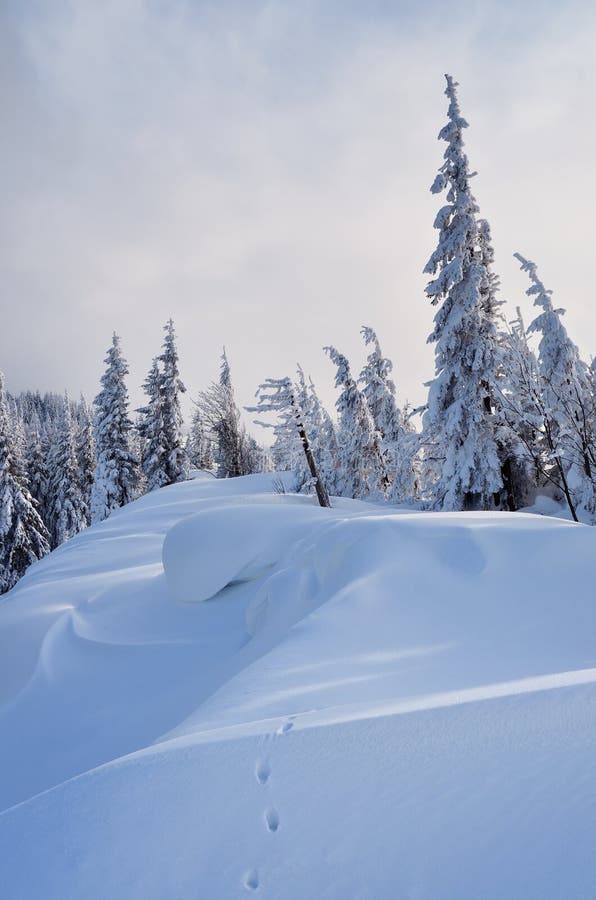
{"points": [[260, 172]]}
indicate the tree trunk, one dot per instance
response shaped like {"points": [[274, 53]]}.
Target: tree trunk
{"points": [[566, 490], [322, 495]]}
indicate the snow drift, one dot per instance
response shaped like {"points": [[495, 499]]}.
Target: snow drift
{"points": [[221, 691]]}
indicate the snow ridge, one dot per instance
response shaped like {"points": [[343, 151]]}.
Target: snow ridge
{"points": [[239, 691]]}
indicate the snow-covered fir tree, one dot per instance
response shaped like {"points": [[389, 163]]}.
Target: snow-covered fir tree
{"points": [[17, 427], [360, 464], [67, 511], [35, 464], [592, 386], [136, 449], [151, 429], [490, 283], [199, 448], [253, 457], [324, 434], [171, 386], [294, 447], [23, 536], [518, 406], [286, 456], [517, 489], [47, 442], [227, 426], [85, 453], [379, 389], [459, 428], [397, 442], [221, 419], [116, 475], [566, 399]]}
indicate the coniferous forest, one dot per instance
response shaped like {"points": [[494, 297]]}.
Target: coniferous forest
{"points": [[510, 414]]}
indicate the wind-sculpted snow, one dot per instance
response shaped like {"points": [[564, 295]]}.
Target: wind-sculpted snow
{"points": [[366, 703], [220, 546]]}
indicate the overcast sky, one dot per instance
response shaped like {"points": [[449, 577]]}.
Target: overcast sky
{"points": [[260, 172]]}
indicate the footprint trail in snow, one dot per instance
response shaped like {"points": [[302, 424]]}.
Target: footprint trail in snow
{"points": [[262, 771], [272, 819], [251, 880]]}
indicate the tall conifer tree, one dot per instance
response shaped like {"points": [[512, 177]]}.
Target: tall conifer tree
{"points": [[397, 443], [151, 430], [221, 418], [460, 430], [67, 510], [23, 536], [199, 448], [171, 386], [85, 453], [566, 400], [116, 476], [361, 466]]}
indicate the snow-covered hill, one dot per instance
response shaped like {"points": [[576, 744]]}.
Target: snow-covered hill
{"points": [[223, 691]]}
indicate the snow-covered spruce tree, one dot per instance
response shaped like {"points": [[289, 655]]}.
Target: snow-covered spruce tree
{"points": [[325, 445], [398, 446], [39, 439], [490, 283], [280, 396], [136, 449], [221, 417], [199, 448], [379, 389], [17, 427], [47, 443], [151, 430], [67, 510], [459, 428], [116, 475], [287, 450], [35, 464], [518, 408], [228, 426], [405, 463], [287, 456], [253, 457], [23, 536], [304, 402], [361, 469], [592, 385], [517, 490], [85, 453], [566, 402], [175, 459], [592, 376]]}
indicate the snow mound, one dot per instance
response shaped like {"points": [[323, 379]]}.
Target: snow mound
{"points": [[372, 704], [224, 545]]}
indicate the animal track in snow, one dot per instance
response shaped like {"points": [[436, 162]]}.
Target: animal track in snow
{"points": [[262, 771], [251, 880], [272, 819]]}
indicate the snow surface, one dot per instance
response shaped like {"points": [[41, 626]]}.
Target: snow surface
{"points": [[222, 691]]}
